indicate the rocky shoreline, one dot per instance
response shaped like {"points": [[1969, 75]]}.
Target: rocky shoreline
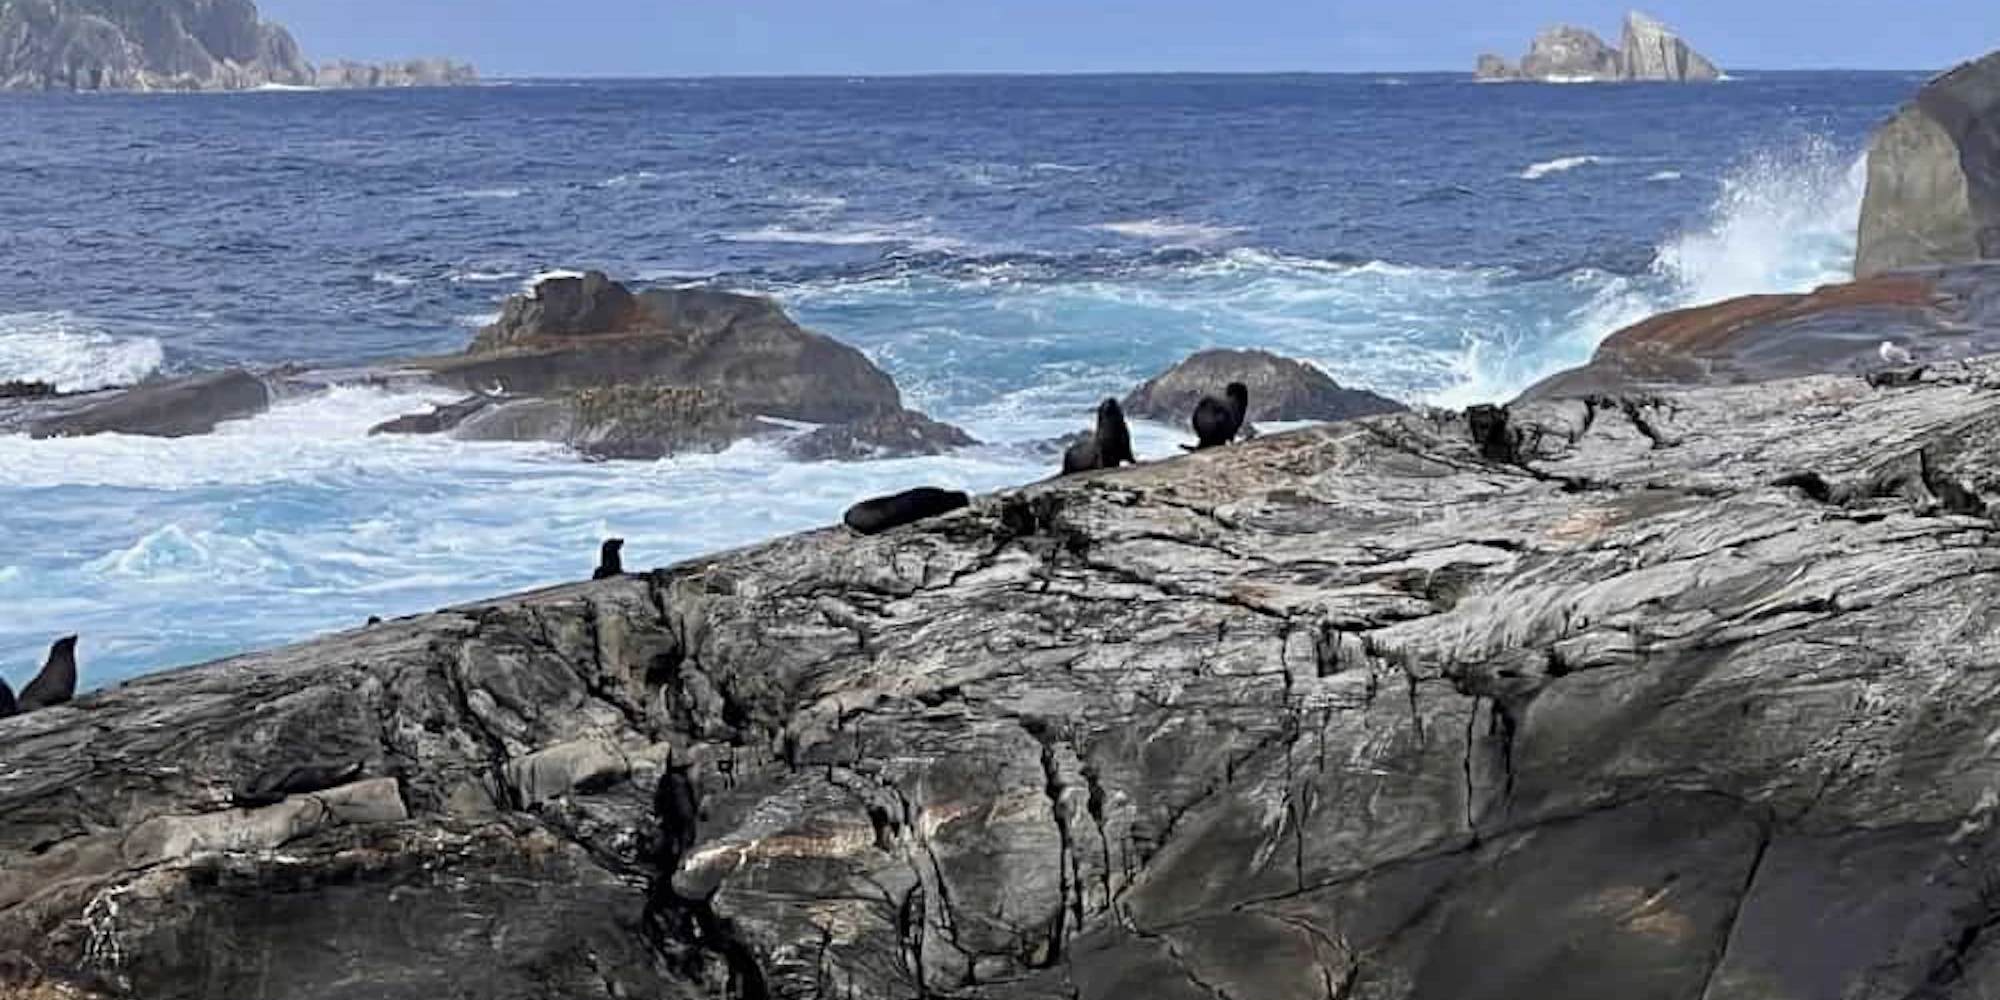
{"points": [[1648, 51], [1672, 678]]}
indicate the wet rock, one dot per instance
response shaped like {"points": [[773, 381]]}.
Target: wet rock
{"points": [[439, 420], [1933, 193], [26, 390], [520, 420], [1280, 389], [654, 421], [1333, 712], [1937, 314], [178, 407], [592, 332], [898, 435]]}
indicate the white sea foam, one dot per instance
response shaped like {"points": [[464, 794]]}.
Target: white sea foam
{"points": [[392, 279], [635, 179], [1560, 165], [476, 277], [1664, 176], [283, 88], [502, 193], [1171, 231], [915, 236], [528, 284], [71, 353]]}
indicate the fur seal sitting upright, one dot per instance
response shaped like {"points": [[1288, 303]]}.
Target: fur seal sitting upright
{"points": [[1107, 447], [56, 683], [8, 706], [1216, 423], [610, 562], [872, 517]]}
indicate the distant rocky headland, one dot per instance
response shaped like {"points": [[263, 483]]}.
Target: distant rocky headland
{"points": [[1566, 54], [144, 45]]}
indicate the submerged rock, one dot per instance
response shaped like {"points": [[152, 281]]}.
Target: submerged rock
{"points": [[175, 407], [1351, 705], [1933, 194], [1280, 389], [1936, 314]]}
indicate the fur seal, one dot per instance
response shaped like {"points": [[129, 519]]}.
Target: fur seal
{"points": [[677, 802], [56, 683], [8, 706], [1497, 441], [1216, 421], [610, 562], [1108, 446], [872, 517]]}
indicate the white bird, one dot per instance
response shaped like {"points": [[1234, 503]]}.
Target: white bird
{"points": [[1895, 355]]}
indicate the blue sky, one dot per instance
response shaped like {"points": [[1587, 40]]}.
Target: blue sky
{"points": [[679, 37]]}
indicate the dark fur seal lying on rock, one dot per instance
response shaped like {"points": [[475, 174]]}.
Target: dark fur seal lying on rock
{"points": [[872, 517]]}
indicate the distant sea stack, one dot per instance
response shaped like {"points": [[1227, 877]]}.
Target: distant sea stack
{"points": [[1565, 54], [175, 45], [411, 73]]}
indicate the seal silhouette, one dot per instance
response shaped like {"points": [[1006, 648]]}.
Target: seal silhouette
{"points": [[56, 683], [872, 517], [1108, 446], [1218, 421], [610, 561]]}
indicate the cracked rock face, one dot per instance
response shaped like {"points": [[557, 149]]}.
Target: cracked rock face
{"points": [[1933, 194], [1581, 706]]}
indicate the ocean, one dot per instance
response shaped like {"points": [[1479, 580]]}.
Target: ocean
{"points": [[1010, 249]]}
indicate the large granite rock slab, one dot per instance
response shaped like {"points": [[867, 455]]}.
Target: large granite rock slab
{"points": [[590, 332], [1933, 194], [1934, 314], [173, 407], [1280, 389], [1582, 705], [144, 45], [1650, 52]]}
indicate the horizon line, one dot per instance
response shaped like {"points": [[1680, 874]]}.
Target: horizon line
{"points": [[1017, 74]]}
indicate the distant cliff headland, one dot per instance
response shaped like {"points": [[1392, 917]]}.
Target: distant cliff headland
{"points": [[1566, 54], [140, 45]]}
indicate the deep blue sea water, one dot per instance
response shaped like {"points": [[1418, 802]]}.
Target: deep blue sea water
{"points": [[1010, 249]]}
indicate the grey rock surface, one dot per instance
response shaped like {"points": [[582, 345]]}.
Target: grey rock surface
{"points": [[1280, 389], [1565, 52], [1933, 194], [144, 45], [902, 434], [432, 72], [171, 407], [1586, 708], [1650, 50], [1492, 67]]}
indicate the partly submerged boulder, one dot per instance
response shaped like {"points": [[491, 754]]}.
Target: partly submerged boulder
{"points": [[1280, 389], [589, 332], [1565, 52], [902, 434], [438, 419], [1933, 194], [1371, 710], [1935, 314], [173, 407], [654, 421], [342, 74], [1492, 67]]}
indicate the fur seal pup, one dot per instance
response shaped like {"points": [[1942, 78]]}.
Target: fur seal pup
{"points": [[1216, 421], [56, 683], [872, 517], [1108, 446], [8, 706], [610, 561]]}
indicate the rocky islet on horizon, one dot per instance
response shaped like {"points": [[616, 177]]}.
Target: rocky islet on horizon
{"points": [[177, 45], [1650, 51]]}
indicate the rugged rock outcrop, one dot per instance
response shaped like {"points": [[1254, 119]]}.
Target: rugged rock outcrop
{"points": [[1335, 712], [1651, 52], [1280, 389], [1492, 67], [589, 332], [1564, 52], [144, 45], [1933, 194], [651, 421], [174, 407], [1935, 314], [409, 73]]}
